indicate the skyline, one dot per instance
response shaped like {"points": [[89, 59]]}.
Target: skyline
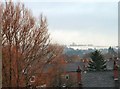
{"points": [[79, 21]]}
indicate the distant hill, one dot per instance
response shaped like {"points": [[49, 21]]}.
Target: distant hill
{"points": [[70, 51]]}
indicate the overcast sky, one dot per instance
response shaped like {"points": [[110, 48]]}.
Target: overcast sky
{"points": [[79, 21]]}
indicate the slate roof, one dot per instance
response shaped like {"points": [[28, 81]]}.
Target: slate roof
{"points": [[95, 79], [73, 66], [98, 79], [118, 62], [110, 64]]}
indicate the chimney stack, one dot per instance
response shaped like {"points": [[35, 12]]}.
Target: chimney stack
{"points": [[79, 77], [115, 71]]}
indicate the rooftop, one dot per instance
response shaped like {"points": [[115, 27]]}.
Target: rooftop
{"points": [[98, 79]]}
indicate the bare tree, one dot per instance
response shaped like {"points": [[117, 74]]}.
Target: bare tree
{"points": [[26, 46], [50, 69], [0, 50]]}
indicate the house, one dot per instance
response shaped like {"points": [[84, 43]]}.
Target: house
{"points": [[69, 76], [91, 78]]}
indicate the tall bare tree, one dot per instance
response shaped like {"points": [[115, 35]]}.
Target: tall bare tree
{"points": [[0, 63], [26, 46]]}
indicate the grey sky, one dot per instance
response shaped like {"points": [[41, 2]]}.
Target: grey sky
{"points": [[80, 21]]}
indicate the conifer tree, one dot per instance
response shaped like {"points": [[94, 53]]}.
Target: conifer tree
{"points": [[97, 62]]}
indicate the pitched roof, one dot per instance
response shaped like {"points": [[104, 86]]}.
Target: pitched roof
{"points": [[98, 79], [95, 79], [72, 67]]}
